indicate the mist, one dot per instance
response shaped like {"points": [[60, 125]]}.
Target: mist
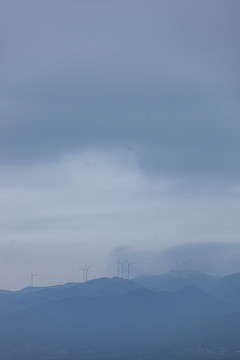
{"points": [[119, 180], [213, 258]]}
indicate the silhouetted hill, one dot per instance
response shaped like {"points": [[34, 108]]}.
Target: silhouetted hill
{"points": [[226, 288], [113, 318], [221, 334], [30, 296], [217, 339], [173, 281], [229, 288], [137, 322]]}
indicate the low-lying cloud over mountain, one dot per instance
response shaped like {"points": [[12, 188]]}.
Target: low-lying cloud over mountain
{"points": [[214, 258]]}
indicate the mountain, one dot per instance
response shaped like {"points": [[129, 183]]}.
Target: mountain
{"points": [[30, 296], [226, 288], [164, 317], [173, 281], [217, 339], [127, 323], [229, 288]]}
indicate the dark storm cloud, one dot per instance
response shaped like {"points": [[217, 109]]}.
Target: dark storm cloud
{"points": [[157, 77]]}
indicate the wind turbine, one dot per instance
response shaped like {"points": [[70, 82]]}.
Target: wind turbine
{"points": [[32, 278], [128, 268], [86, 271], [121, 264], [118, 267], [83, 273]]}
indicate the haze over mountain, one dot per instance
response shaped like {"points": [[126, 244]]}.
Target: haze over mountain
{"points": [[216, 258]]}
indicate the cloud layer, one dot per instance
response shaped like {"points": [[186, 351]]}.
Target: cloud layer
{"points": [[215, 258], [57, 217], [119, 126], [160, 78]]}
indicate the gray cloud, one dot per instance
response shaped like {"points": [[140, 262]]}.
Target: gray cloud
{"points": [[217, 258], [55, 217], [159, 77]]}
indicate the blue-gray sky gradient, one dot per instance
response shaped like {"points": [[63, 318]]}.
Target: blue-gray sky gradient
{"points": [[140, 95]]}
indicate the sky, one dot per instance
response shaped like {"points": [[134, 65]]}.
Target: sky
{"points": [[119, 126]]}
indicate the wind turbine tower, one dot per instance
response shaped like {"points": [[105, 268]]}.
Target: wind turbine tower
{"points": [[86, 272], [118, 267], [128, 268], [83, 273], [32, 278], [122, 268]]}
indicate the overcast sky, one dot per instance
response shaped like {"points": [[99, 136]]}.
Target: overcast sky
{"points": [[119, 125]]}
